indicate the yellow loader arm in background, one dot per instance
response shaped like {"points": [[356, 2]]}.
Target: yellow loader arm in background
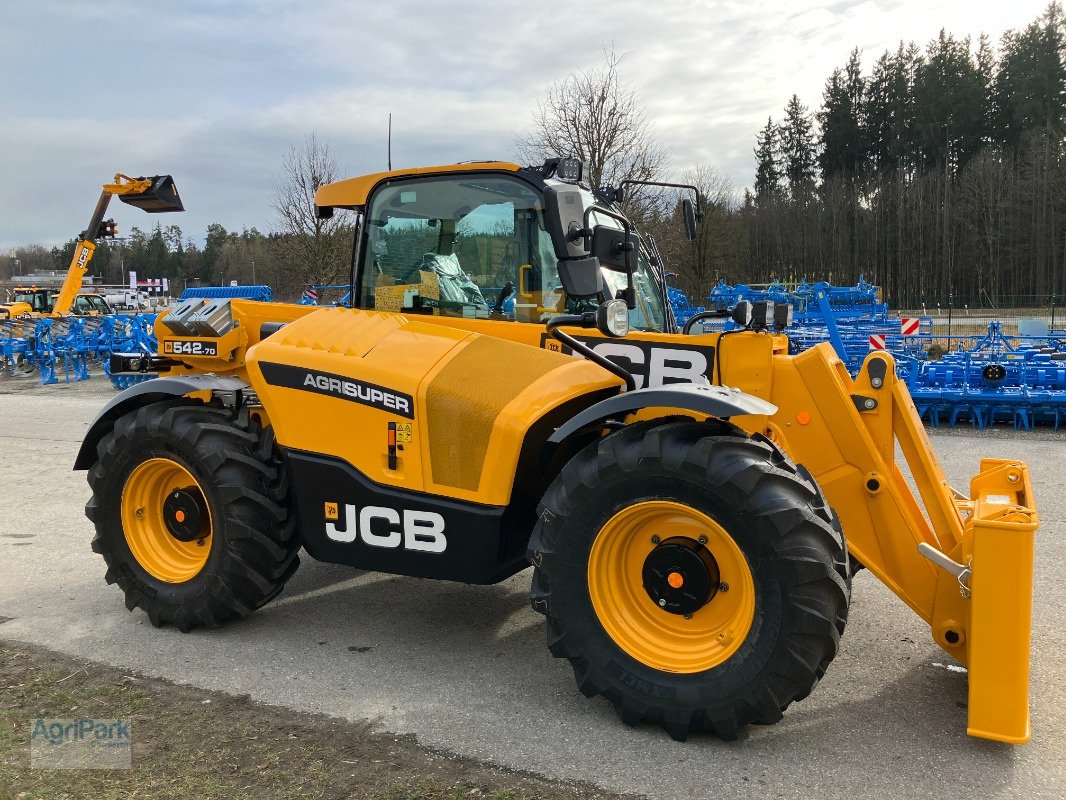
{"points": [[156, 195]]}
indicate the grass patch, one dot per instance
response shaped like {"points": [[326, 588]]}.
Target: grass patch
{"points": [[189, 743]]}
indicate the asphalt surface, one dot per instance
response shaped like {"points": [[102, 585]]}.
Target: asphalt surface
{"points": [[466, 668]]}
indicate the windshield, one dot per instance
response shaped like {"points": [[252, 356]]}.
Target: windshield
{"points": [[466, 245], [98, 304], [475, 246]]}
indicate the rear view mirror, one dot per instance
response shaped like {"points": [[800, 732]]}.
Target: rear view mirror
{"points": [[689, 214], [565, 218], [581, 277], [612, 247]]}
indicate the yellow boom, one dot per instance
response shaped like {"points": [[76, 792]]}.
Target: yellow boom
{"points": [[156, 194]]}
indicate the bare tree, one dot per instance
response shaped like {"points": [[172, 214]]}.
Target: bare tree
{"points": [[314, 249], [720, 248], [593, 115]]}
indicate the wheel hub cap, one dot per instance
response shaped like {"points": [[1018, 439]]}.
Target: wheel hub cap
{"points": [[184, 514], [680, 576]]}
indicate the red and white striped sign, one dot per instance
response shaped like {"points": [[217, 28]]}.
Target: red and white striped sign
{"points": [[877, 341], [908, 326]]}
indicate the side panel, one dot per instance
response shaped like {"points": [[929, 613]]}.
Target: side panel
{"points": [[656, 359], [347, 519], [341, 382]]}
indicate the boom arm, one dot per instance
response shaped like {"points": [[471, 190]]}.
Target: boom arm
{"points": [[133, 191]]}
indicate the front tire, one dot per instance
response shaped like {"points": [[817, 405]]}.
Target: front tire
{"points": [[691, 575], [190, 506]]}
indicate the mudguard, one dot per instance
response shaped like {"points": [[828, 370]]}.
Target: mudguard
{"points": [[142, 394], [715, 401]]}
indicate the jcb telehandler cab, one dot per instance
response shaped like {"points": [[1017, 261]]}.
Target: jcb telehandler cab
{"points": [[693, 506]]}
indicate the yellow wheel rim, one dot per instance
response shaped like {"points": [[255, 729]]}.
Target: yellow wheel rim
{"points": [[158, 551], [653, 636]]}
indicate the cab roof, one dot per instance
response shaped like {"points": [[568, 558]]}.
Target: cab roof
{"points": [[353, 192]]}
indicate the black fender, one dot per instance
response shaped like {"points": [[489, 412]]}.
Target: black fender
{"points": [[142, 394], [715, 401]]}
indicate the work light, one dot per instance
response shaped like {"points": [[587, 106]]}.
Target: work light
{"points": [[612, 318]]}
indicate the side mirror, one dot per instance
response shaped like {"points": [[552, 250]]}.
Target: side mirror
{"points": [[581, 277], [612, 247], [689, 214], [565, 218]]}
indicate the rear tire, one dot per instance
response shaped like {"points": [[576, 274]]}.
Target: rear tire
{"points": [[767, 508], [248, 537]]}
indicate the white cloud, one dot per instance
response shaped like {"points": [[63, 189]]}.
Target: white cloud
{"points": [[216, 92]]}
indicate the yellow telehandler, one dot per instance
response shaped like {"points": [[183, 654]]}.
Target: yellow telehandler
{"points": [[156, 195], [508, 389]]}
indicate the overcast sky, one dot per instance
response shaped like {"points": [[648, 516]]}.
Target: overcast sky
{"points": [[216, 92]]}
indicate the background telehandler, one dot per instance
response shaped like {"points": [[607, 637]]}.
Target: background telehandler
{"points": [[684, 500], [156, 195]]}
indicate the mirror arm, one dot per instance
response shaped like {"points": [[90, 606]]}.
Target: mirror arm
{"points": [[695, 190], [584, 233], [587, 320]]}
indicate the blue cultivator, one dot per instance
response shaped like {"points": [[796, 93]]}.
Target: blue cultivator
{"points": [[65, 347], [312, 295], [17, 345], [850, 318], [1013, 379], [681, 305], [49, 346], [989, 379], [133, 335], [811, 302]]}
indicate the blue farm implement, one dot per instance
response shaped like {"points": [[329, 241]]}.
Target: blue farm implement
{"points": [[851, 318], [312, 295], [262, 294], [987, 379], [65, 347], [998, 378], [681, 305]]}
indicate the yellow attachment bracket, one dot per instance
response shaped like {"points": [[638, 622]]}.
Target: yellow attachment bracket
{"points": [[963, 563], [124, 184]]}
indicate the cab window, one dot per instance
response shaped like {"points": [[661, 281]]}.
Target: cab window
{"points": [[466, 245], [35, 300]]}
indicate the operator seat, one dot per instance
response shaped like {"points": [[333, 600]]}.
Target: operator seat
{"points": [[455, 285]]}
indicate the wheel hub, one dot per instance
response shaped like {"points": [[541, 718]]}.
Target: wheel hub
{"points": [[184, 514], [680, 575]]}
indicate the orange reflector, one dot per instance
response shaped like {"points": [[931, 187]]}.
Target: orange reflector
{"points": [[179, 515], [804, 418], [675, 580]]}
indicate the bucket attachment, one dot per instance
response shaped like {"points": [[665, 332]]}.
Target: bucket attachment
{"points": [[160, 197]]}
